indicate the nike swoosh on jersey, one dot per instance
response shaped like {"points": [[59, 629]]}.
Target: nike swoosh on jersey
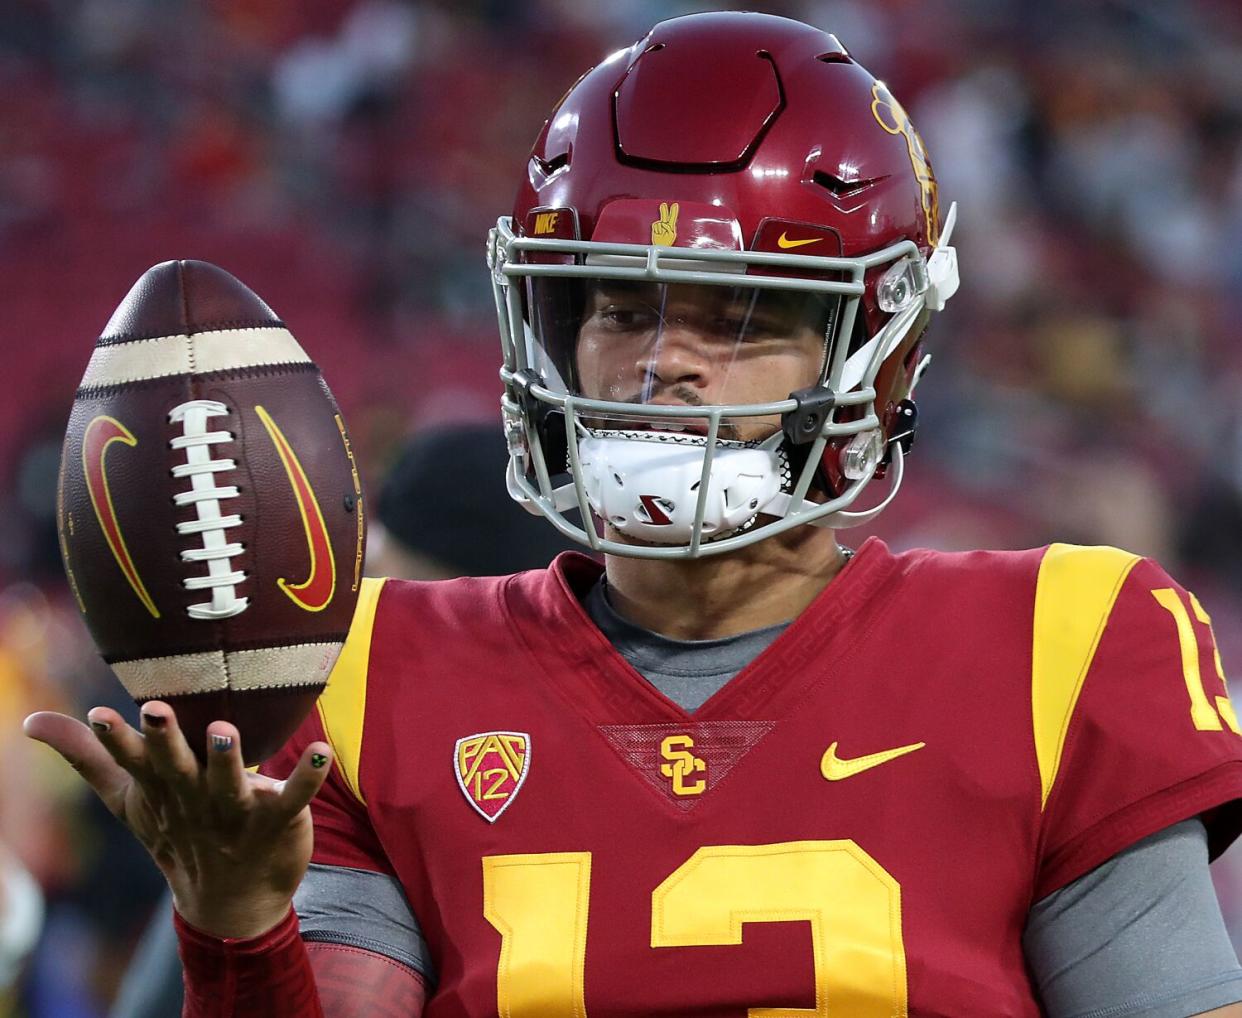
{"points": [[834, 768], [784, 242]]}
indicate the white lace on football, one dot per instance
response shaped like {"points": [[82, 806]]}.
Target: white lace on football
{"points": [[206, 495]]}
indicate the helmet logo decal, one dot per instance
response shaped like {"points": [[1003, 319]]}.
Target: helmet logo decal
{"points": [[655, 510], [892, 116], [664, 229], [784, 242], [545, 223]]}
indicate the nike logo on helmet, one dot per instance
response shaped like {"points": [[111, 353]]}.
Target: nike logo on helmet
{"points": [[834, 768], [784, 242]]}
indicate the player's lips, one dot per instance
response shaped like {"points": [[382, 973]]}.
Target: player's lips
{"points": [[698, 426], [681, 425], [678, 425]]}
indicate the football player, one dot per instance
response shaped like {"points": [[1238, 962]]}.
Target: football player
{"points": [[738, 768]]}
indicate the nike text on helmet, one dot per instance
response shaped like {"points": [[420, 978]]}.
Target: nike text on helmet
{"points": [[712, 290]]}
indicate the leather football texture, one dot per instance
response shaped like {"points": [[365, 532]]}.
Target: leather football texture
{"points": [[210, 510]]}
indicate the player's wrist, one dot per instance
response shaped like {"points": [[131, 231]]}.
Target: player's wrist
{"points": [[241, 921], [267, 975]]}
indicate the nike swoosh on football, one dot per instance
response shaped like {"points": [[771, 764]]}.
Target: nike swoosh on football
{"points": [[100, 434], [315, 592], [784, 242], [834, 768]]}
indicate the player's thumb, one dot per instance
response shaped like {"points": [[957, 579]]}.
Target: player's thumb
{"points": [[80, 748]]}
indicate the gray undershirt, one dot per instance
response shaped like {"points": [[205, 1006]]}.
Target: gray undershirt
{"points": [[1140, 935], [688, 672]]}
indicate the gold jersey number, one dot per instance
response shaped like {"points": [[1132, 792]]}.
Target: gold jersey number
{"points": [[1204, 716], [539, 904]]}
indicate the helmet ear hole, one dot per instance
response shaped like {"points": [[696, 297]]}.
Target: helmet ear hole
{"points": [[901, 425]]}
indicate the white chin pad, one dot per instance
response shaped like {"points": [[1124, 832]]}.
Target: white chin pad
{"points": [[645, 484]]}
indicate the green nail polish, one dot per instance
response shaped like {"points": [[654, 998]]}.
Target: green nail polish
{"points": [[318, 760]]}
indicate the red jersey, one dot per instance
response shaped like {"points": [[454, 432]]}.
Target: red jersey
{"points": [[857, 824]]}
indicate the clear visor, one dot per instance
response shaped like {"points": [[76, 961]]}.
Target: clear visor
{"points": [[650, 343]]}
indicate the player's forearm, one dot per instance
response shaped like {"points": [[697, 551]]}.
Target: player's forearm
{"points": [[268, 975], [354, 983], [278, 976]]}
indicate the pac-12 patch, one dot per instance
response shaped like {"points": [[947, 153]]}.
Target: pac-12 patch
{"points": [[490, 768]]}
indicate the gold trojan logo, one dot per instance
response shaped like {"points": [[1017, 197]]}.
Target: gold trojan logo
{"points": [[891, 116], [681, 764], [664, 229]]}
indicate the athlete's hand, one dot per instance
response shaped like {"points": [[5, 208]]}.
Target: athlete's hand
{"points": [[232, 845]]}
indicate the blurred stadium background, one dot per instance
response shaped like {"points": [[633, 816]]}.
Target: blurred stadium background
{"points": [[346, 159]]}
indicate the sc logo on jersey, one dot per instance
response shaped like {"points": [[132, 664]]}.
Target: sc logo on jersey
{"points": [[682, 764]]}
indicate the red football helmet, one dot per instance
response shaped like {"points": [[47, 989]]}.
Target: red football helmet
{"points": [[712, 290]]}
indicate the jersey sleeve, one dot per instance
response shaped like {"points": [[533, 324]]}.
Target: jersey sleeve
{"points": [[344, 835], [1090, 944], [1133, 725]]}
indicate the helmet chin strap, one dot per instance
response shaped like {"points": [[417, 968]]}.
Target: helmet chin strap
{"points": [[842, 519]]}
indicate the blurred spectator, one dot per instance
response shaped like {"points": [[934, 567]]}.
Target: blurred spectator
{"points": [[21, 919], [444, 511]]}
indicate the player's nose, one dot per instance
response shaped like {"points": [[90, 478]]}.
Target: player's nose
{"points": [[681, 352]]}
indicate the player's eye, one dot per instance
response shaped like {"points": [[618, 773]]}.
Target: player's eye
{"points": [[730, 326], [758, 327], [626, 317]]}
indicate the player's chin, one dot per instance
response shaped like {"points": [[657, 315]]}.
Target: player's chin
{"points": [[610, 533]]}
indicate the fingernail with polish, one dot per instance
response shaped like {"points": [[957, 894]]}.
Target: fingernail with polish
{"points": [[222, 743], [154, 720], [101, 726], [318, 760]]}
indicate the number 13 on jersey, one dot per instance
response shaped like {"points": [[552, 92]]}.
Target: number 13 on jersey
{"points": [[539, 904]]}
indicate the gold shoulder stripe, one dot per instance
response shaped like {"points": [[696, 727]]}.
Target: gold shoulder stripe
{"points": [[1074, 596], [343, 705]]}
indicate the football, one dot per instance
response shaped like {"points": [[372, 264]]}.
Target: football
{"points": [[210, 510]]}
